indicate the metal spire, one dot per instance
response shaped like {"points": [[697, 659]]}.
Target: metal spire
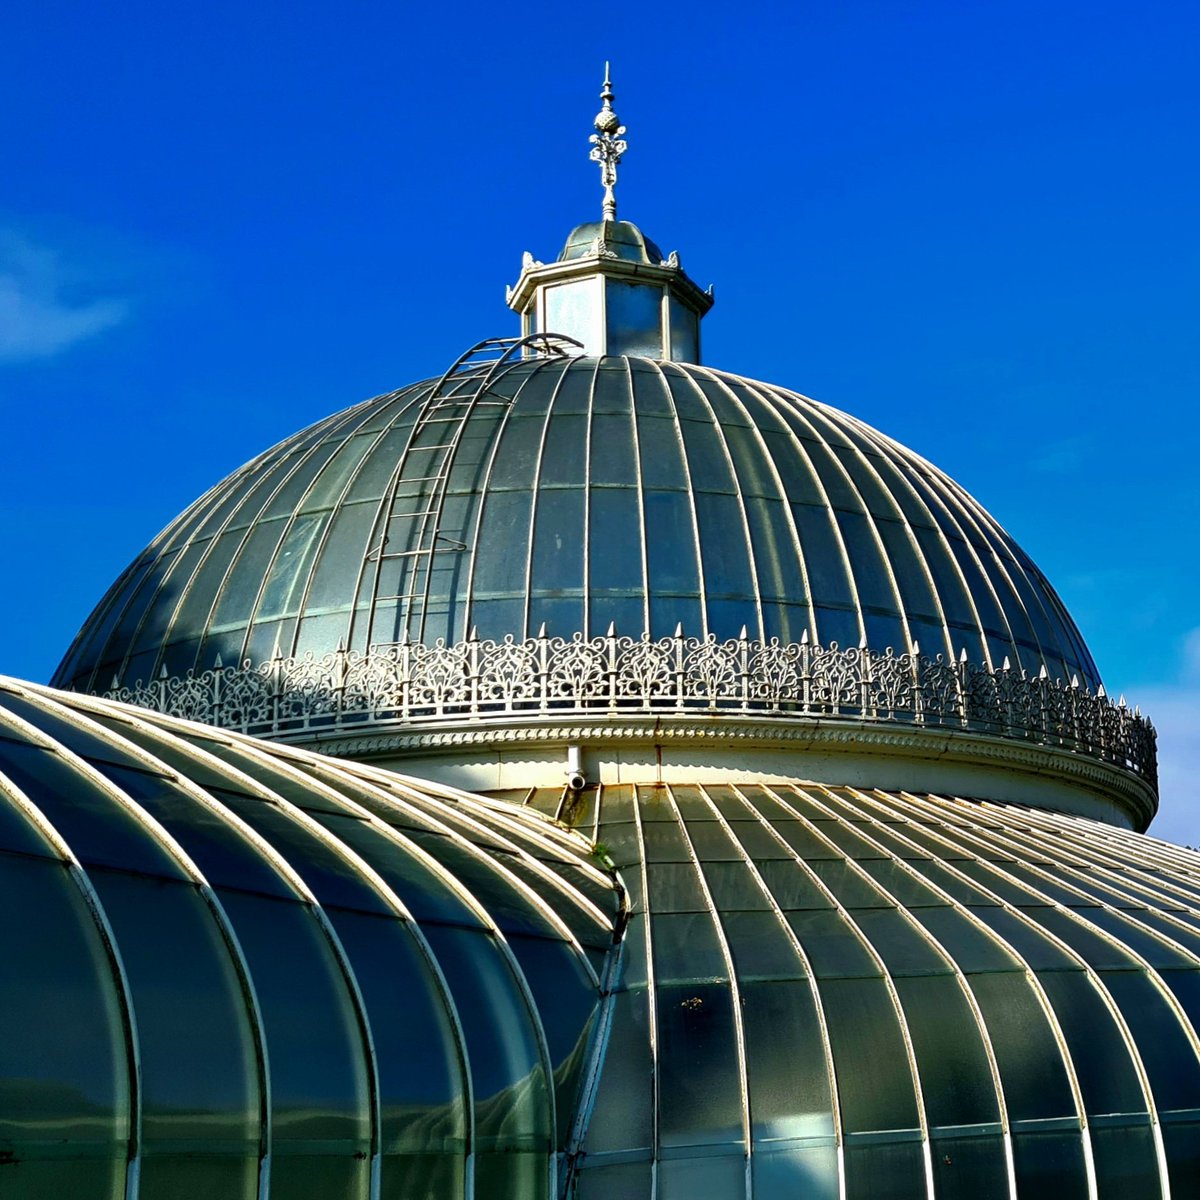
{"points": [[607, 147]]}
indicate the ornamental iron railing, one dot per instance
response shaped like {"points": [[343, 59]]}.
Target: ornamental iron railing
{"points": [[411, 684]]}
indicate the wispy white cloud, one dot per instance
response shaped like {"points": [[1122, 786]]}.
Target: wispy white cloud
{"points": [[48, 304]]}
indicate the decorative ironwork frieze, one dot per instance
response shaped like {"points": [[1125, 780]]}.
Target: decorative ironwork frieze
{"points": [[408, 683]]}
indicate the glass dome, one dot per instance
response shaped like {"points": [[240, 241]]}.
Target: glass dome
{"points": [[574, 493]]}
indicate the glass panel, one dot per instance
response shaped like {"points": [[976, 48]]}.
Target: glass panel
{"points": [[969, 1168], [1126, 1163], [660, 452], [17, 831], [708, 1178], [567, 1003], [848, 885], [201, 1089], [564, 456], [634, 317], [686, 947], [724, 546], [761, 947], [1097, 1046], [790, 885], [341, 557], [615, 544], [785, 1061], [1166, 1052], [603, 1181], [874, 1082], [574, 309], [1037, 950], [969, 946], [832, 944], [1182, 1144], [884, 1170], [63, 1055], [332, 878], [223, 853], [671, 544], [1030, 1062], [685, 332], [623, 1115], [284, 586], [511, 909], [319, 1096], [422, 1077], [952, 1064], [1050, 1164], [558, 541], [675, 887], [514, 1122], [734, 888], [699, 1088], [810, 1172], [500, 559], [98, 829]]}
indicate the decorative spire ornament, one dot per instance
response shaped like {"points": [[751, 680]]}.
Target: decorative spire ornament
{"points": [[607, 147]]}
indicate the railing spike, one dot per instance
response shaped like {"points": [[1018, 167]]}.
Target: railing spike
{"points": [[541, 633], [916, 648], [612, 629], [1043, 673], [678, 629], [1007, 665], [744, 635], [804, 638], [1075, 682], [1101, 694], [962, 658], [862, 642], [217, 663], [473, 636]]}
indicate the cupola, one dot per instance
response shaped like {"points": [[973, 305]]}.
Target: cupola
{"points": [[611, 288]]}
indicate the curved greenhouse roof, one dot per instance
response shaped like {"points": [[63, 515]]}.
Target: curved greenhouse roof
{"points": [[240, 969], [575, 493], [234, 970]]}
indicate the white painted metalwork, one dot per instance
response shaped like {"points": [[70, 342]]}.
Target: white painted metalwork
{"points": [[415, 684]]}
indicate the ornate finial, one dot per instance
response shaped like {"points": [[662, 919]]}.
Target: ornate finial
{"points": [[607, 147]]}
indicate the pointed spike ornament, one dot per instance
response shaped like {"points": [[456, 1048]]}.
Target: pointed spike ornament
{"points": [[607, 147]]}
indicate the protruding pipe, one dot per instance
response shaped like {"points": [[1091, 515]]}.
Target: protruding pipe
{"points": [[576, 779]]}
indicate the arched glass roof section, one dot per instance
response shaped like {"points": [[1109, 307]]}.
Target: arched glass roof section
{"points": [[576, 493], [239, 971], [834, 993]]}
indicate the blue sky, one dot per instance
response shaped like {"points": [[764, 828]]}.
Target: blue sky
{"points": [[974, 226]]}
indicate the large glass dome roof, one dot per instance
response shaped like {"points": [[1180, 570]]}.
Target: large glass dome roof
{"points": [[575, 493]]}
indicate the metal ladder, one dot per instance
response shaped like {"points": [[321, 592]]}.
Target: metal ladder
{"points": [[407, 534]]}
